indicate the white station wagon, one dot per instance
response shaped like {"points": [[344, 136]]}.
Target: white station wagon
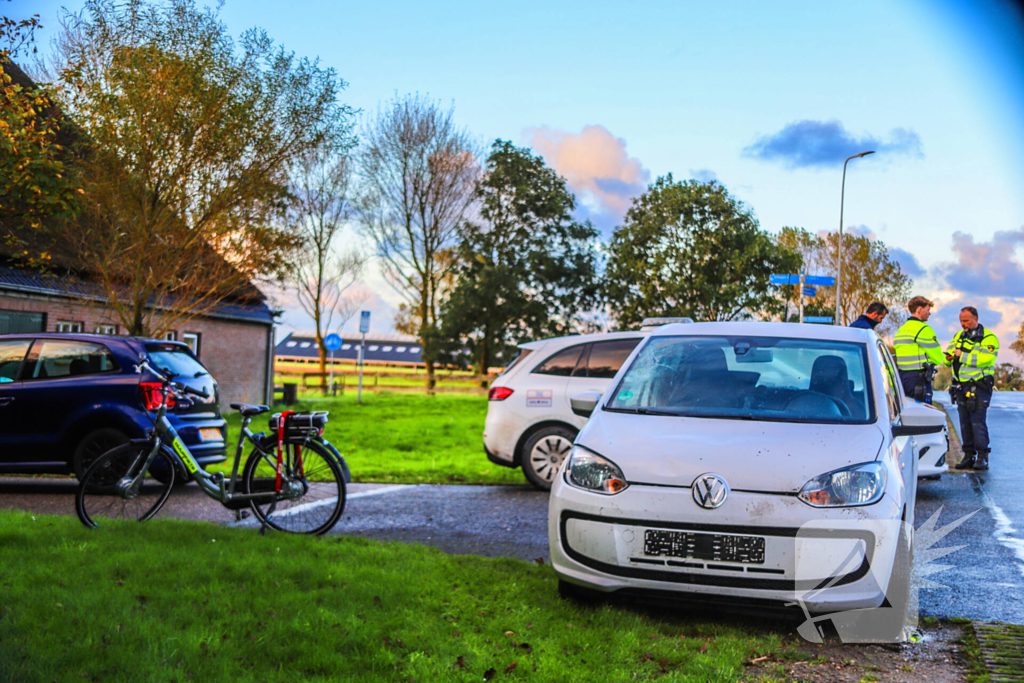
{"points": [[764, 462]]}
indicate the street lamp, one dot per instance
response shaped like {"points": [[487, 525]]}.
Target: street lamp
{"points": [[842, 197]]}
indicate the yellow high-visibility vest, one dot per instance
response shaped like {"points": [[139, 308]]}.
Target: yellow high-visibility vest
{"points": [[977, 359], [916, 344]]}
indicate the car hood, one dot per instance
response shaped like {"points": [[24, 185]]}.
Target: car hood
{"points": [[752, 456]]}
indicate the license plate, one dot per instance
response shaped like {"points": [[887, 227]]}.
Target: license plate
{"points": [[714, 547], [210, 434]]}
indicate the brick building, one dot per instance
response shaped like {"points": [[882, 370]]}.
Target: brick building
{"points": [[235, 341]]}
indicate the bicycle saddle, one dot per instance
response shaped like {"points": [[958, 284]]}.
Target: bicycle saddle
{"points": [[248, 410]]}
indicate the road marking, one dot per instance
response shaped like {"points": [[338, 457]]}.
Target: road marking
{"points": [[1004, 530], [330, 501]]}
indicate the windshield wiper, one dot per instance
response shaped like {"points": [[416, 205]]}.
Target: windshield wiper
{"points": [[200, 374]]}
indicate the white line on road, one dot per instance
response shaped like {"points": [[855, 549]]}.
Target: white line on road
{"points": [[1004, 530], [330, 501]]}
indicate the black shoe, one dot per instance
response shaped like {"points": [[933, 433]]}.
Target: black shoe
{"points": [[966, 464], [982, 462]]}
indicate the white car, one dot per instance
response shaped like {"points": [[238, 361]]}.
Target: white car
{"points": [[530, 423], [765, 462], [931, 451]]}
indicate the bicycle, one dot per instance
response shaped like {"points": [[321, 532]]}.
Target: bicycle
{"points": [[292, 481]]}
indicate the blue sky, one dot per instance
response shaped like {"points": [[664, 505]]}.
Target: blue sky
{"points": [[765, 97]]}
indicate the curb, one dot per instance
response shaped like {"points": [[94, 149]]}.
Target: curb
{"points": [[1002, 650]]}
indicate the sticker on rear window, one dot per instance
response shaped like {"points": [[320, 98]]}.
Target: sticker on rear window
{"points": [[538, 398]]}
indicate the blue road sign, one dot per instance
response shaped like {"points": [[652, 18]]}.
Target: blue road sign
{"points": [[809, 291], [784, 279], [820, 280], [364, 322], [332, 342], [817, 319]]}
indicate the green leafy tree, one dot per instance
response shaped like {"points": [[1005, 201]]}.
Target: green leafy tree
{"points": [[1018, 345], [191, 136], [1009, 377], [35, 182], [690, 249], [869, 274], [527, 269]]}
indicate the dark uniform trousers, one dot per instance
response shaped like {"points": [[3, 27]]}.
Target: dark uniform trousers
{"points": [[910, 378], [973, 427]]}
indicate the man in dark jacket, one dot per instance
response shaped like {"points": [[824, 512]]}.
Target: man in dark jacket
{"points": [[875, 314]]}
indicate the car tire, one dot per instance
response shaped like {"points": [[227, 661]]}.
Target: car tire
{"points": [[93, 445], [543, 454]]}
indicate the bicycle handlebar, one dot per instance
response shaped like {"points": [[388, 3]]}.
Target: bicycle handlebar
{"points": [[167, 378]]}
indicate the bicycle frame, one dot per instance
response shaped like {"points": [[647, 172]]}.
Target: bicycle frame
{"points": [[213, 485]]}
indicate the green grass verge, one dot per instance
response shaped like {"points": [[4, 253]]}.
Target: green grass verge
{"points": [[403, 438], [180, 601]]}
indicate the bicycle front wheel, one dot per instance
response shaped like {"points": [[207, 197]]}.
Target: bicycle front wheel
{"points": [[311, 496], [105, 492]]}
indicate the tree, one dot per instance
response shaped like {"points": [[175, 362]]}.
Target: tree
{"points": [[527, 269], [869, 274], [190, 139], [323, 275], [35, 183], [689, 249], [418, 172], [1018, 346], [1009, 377]]}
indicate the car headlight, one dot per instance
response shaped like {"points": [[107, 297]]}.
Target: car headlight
{"points": [[588, 470], [858, 485]]}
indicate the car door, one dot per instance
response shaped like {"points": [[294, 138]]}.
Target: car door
{"points": [[12, 356], [61, 379], [546, 384], [901, 448], [598, 365]]}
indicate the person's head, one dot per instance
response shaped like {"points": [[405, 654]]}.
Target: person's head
{"points": [[877, 311], [920, 308], [968, 317]]}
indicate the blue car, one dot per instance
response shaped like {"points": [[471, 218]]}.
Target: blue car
{"points": [[66, 399]]}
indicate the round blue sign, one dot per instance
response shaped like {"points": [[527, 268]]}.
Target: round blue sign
{"points": [[332, 342]]}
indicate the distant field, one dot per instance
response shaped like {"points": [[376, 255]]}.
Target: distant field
{"points": [[408, 438]]}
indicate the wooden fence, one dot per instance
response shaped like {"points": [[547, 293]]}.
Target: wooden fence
{"points": [[445, 382]]}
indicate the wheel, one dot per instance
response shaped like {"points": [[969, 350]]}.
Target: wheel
{"points": [[93, 445], [315, 482], [101, 495], [543, 454]]}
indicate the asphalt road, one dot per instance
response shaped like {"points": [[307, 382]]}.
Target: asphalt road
{"points": [[985, 579]]}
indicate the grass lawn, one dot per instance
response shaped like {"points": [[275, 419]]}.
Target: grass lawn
{"points": [[403, 438], [179, 601]]}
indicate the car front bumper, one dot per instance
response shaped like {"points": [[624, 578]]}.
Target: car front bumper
{"points": [[598, 541]]}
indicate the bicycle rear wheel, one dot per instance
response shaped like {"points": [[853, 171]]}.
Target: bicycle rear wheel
{"points": [[103, 493], [312, 492]]}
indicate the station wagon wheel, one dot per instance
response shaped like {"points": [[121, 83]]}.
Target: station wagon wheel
{"points": [[543, 454], [93, 445]]}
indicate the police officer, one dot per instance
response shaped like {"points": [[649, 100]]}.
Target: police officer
{"points": [[875, 314], [918, 351], [972, 355]]}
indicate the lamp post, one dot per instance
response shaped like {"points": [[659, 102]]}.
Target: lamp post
{"points": [[839, 270]]}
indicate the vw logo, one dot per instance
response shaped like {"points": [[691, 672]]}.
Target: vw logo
{"points": [[710, 491]]}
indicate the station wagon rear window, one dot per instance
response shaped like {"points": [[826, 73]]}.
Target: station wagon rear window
{"points": [[752, 378]]}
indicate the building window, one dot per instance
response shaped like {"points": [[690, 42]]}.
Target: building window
{"points": [[290, 345], [109, 330], [191, 340], [69, 326], [14, 322], [170, 336]]}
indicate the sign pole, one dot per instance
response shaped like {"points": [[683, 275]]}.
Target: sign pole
{"points": [[801, 297], [359, 394], [331, 382]]}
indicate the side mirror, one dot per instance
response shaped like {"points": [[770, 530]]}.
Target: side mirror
{"points": [[920, 419], [584, 404]]}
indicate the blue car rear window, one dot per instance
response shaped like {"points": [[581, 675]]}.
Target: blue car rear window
{"points": [[178, 361]]}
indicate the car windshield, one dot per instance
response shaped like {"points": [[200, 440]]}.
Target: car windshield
{"points": [[177, 359], [751, 378]]}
